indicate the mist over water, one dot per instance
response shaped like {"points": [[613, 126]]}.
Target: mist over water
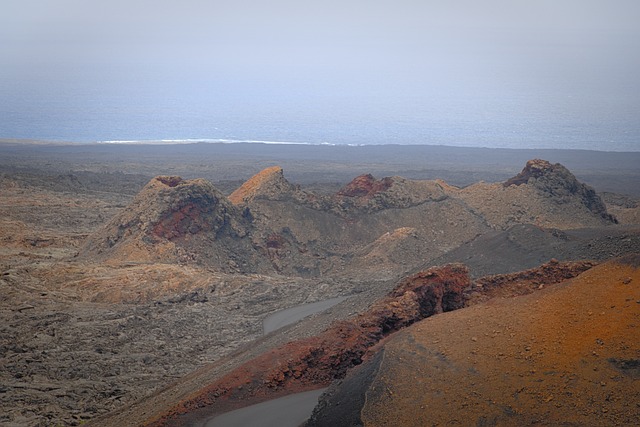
{"points": [[83, 114], [504, 74]]}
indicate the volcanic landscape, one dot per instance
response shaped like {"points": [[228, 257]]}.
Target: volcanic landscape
{"points": [[454, 286]]}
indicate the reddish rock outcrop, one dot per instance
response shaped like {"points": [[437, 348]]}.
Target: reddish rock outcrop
{"points": [[174, 220], [367, 194], [365, 186], [318, 360], [269, 183], [525, 282], [564, 356], [437, 289], [191, 215]]}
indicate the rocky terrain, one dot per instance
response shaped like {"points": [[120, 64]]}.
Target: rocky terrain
{"points": [[269, 225], [318, 360], [127, 299], [567, 355]]}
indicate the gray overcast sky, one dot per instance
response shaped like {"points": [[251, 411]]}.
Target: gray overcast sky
{"points": [[328, 34], [248, 52]]}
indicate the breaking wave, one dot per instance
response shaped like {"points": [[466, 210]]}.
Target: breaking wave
{"points": [[212, 141]]}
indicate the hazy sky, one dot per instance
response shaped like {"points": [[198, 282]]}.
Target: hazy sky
{"points": [[421, 66]]}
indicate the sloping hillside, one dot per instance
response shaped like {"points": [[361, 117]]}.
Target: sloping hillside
{"points": [[566, 355], [176, 221], [391, 225]]}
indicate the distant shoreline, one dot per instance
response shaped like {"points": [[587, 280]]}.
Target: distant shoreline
{"points": [[308, 164], [223, 141]]}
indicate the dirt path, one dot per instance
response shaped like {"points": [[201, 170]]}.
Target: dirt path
{"points": [[291, 315], [151, 407]]}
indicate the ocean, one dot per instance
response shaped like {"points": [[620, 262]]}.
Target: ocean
{"points": [[97, 113]]}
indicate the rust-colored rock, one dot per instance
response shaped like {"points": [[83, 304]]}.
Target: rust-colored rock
{"points": [[365, 186], [525, 282], [174, 220], [437, 289], [318, 360], [269, 183], [564, 356]]}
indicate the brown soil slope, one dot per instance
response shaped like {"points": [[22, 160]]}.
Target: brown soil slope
{"points": [[568, 355]]}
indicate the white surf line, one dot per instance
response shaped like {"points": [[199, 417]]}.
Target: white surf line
{"points": [[205, 140], [219, 141], [291, 315]]}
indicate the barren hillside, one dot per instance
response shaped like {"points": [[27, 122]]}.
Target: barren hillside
{"points": [[120, 299], [567, 355], [269, 225]]}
